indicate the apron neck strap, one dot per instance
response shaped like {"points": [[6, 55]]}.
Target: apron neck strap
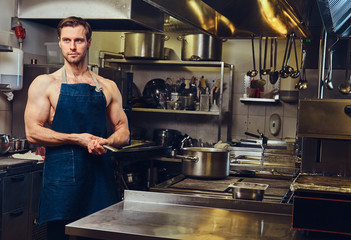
{"points": [[98, 87]]}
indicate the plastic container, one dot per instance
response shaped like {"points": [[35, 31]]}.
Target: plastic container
{"points": [[54, 53], [5, 37], [11, 69]]}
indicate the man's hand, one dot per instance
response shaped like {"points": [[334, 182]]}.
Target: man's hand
{"points": [[95, 146], [93, 143]]}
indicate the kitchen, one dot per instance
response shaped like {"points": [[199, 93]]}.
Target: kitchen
{"points": [[239, 115]]}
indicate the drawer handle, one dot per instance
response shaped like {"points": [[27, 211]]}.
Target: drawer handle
{"points": [[347, 109], [16, 213], [17, 178]]}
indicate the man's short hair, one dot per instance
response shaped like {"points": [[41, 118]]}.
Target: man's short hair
{"points": [[73, 22]]}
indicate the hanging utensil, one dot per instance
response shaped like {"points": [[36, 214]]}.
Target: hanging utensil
{"points": [[345, 87], [296, 73], [254, 72], [328, 79], [282, 72], [260, 82], [265, 71], [302, 84], [288, 69], [274, 74]]}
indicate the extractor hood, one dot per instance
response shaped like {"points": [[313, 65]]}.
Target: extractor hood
{"points": [[104, 15], [336, 15], [240, 18]]}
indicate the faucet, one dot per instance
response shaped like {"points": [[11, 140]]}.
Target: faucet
{"points": [[261, 135], [264, 139]]}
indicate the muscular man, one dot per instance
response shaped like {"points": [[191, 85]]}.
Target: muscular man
{"points": [[74, 102]]}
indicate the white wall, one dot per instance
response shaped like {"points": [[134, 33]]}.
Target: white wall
{"points": [[246, 117]]}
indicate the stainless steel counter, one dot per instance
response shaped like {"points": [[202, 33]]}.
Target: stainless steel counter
{"points": [[151, 215]]}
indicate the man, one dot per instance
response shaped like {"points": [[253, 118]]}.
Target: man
{"points": [[74, 102]]}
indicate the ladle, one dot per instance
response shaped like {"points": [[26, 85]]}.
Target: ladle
{"points": [[265, 71], [345, 87], [327, 81], [260, 82], [282, 72], [302, 83], [254, 72], [274, 74], [296, 73]]}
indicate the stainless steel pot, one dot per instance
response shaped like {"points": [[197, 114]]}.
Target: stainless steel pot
{"points": [[201, 162], [201, 47], [144, 45]]}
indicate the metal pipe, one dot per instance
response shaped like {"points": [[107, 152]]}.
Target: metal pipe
{"points": [[322, 64]]}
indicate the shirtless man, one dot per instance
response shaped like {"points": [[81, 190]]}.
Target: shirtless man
{"points": [[74, 102]]}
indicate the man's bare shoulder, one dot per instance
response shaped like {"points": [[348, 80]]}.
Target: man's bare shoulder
{"points": [[46, 80], [106, 83]]}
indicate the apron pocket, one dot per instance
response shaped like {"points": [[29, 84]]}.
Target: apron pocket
{"points": [[59, 167]]}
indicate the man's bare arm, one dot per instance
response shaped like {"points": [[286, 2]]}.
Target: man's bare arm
{"points": [[118, 118]]}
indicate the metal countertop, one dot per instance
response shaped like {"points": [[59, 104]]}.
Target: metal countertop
{"points": [[150, 215]]}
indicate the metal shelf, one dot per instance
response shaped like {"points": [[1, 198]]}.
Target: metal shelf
{"points": [[259, 100], [169, 62], [218, 64], [156, 110]]}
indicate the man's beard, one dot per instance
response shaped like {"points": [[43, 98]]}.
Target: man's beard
{"points": [[76, 60]]}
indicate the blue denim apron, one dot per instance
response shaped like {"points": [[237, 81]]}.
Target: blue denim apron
{"points": [[76, 183]]}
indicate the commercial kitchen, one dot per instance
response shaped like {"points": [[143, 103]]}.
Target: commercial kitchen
{"points": [[238, 113]]}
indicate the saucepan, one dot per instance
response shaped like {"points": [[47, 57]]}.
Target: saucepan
{"points": [[202, 162]]}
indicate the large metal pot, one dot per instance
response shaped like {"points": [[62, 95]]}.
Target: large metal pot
{"points": [[201, 162], [201, 47], [144, 45]]}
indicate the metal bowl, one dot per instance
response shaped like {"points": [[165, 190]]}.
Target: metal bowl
{"points": [[248, 191], [4, 143]]}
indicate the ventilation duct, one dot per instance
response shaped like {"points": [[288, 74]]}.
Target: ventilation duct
{"points": [[336, 16]]}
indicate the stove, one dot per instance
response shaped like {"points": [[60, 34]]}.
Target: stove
{"points": [[277, 192]]}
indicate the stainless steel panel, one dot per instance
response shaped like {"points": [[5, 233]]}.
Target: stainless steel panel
{"points": [[324, 118], [240, 18], [102, 15], [135, 218]]}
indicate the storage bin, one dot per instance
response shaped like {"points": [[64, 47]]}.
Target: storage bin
{"points": [[53, 53]]}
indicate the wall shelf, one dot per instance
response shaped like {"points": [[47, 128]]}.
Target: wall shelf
{"points": [[156, 110], [259, 100], [116, 62]]}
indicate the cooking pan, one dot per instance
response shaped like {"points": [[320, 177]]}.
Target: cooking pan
{"points": [[202, 162]]}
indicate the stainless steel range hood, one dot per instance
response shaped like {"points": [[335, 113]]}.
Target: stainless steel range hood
{"points": [[336, 15], [239, 18], [110, 15]]}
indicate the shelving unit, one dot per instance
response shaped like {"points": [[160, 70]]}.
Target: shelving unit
{"points": [[218, 64], [259, 100]]}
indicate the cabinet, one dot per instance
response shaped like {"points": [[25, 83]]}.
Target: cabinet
{"points": [[15, 206], [221, 66]]}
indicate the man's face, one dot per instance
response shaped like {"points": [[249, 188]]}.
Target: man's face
{"points": [[74, 44]]}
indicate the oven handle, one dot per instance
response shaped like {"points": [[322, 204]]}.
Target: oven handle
{"points": [[347, 109]]}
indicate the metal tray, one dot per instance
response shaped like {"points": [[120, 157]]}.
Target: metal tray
{"points": [[248, 191]]}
